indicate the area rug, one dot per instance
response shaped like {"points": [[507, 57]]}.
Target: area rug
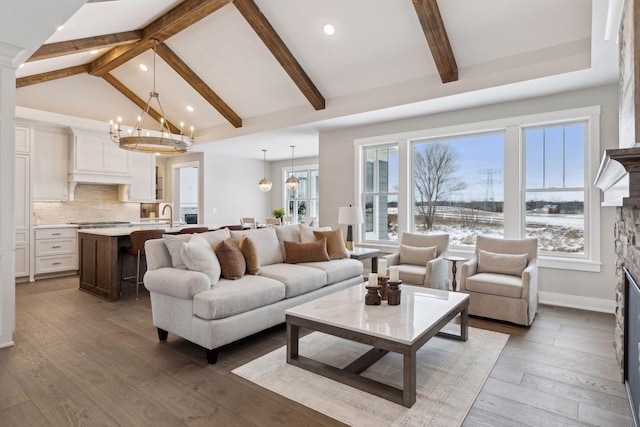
{"points": [[450, 375]]}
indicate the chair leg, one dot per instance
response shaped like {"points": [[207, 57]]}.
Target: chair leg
{"points": [[138, 275], [162, 334], [212, 356]]}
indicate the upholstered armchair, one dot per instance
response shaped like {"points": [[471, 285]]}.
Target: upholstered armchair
{"points": [[420, 260], [502, 279]]}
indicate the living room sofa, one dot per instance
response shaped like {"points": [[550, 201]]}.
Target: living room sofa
{"points": [[212, 313]]}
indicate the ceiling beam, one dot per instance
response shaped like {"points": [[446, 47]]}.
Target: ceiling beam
{"points": [[198, 84], [138, 101], [274, 43], [51, 75], [68, 47], [437, 39], [171, 23]]}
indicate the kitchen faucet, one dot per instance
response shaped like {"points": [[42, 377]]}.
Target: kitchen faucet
{"points": [[170, 214]]}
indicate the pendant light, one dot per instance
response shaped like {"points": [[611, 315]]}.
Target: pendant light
{"points": [[264, 184], [292, 182]]}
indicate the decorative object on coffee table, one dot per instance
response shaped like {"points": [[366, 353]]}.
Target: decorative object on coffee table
{"points": [[382, 283], [393, 293], [372, 297]]}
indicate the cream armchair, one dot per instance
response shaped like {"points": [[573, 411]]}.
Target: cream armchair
{"points": [[502, 279], [420, 260]]}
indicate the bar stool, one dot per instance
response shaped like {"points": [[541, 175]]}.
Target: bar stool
{"points": [[138, 238], [191, 230]]}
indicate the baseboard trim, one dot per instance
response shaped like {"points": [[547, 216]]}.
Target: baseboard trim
{"points": [[572, 301]]}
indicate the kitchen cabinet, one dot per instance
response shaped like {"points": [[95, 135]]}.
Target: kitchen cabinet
{"points": [[143, 185], [50, 157], [159, 182], [56, 250], [22, 202]]}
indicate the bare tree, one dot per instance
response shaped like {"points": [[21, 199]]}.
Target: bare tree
{"points": [[435, 178]]}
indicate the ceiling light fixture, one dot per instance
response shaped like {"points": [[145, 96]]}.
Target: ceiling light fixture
{"points": [[292, 182], [94, 51], [166, 143], [144, 67], [329, 29], [264, 184], [190, 108], [60, 27]]}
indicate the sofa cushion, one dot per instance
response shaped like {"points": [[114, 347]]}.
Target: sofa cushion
{"points": [[412, 274], [266, 241], [232, 261], [417, 255], [217, 236], [251, 256], [335, 243], [198, 255], [491, 262], [174, 246], [305, 252], [306, 232], [287, 233], [297, 279], [495, 284], [338, 269], [234, 297]]}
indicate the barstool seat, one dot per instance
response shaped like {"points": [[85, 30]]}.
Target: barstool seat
{"points": [[191, 230], [138, 238]]}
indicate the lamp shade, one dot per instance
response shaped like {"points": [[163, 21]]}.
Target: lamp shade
{"points": [[350, 215]]}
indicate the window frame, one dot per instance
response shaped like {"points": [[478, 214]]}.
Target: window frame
{"points": [[308, 169], [514, 191]]}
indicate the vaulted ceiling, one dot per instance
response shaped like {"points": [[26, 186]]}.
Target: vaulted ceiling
{"points": [[259, 69]]}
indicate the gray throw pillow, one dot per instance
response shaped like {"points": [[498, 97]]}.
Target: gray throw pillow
{"points": [[198, 255], [174, 246]]}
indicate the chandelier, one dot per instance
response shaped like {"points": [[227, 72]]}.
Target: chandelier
{"points": [[265, 184], [165, 143]]}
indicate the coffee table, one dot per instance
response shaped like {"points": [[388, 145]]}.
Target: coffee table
{"points": [[403, 329]]}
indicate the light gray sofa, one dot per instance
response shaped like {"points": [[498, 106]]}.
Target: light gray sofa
{"points": [[185, 303]]}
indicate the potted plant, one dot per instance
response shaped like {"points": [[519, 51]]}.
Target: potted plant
{"points": [[278, 213]]}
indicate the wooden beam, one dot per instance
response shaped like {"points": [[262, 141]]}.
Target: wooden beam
{"points": [[177, 19], [138, 101], [198, 84], [433, 28], [51, 75], [53, 50], [274, 43]]}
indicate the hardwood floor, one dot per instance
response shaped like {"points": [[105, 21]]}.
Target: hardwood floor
{"points": [[81, 360]]}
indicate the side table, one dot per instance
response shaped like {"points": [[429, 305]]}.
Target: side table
{"points": [[364, 253], [454, 269]]}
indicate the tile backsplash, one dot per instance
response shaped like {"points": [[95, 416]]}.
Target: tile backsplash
{"points": [[93, 202]]}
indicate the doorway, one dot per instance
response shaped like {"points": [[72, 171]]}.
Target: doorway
{"points": [[186, 193]]}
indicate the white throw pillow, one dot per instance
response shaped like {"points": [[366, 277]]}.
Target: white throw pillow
{"points": [[174, 246], [512, 264], [198, 255], [306, 233], [415, 255]]}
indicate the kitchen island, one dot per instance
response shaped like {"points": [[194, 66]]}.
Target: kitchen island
{"points": [[100, 257]]}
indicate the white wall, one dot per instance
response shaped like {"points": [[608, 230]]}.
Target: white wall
{"points": [[562, 287]]}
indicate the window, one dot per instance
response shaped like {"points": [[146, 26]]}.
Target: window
{"points": [[303, 201], [380, 195], [457, 187], [555, 187]]}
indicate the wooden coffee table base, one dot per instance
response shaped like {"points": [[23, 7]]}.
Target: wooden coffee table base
{"points": [[381, 346]]}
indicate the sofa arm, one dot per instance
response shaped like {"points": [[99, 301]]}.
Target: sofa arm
{"points": [[392, 259], [469, 268], [436, 274], [530, 281], [183, 284]]}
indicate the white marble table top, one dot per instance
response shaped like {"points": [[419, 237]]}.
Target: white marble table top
{"points": [[125, 231], [420, 308]]}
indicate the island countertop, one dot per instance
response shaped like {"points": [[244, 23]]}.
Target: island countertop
{"points": [[126, 231]]}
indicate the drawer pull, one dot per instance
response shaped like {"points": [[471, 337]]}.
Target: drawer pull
{"points": [[56, 234], [56, 247], [56, 263]]}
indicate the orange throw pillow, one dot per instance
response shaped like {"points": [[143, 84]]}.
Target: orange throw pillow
{"points": [[335, 243], [251, 256], [232, 261]]}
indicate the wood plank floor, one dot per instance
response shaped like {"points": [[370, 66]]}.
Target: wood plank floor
{"points": [[79, 360]]}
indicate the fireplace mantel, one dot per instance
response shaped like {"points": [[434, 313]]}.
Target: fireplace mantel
{"points": [[619, 177]]}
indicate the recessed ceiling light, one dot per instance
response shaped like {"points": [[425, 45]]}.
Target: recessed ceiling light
{"points": [[190, 108], [60, 27], [143, 67], [21, 65], [94, 51], [329, 29]]}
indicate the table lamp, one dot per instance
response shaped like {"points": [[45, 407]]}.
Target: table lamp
{"points": [[349, 215]]}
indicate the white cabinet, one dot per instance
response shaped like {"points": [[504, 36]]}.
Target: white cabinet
{"points": [[56, 250], [50, 157], [22, 201], [143, 173]]}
